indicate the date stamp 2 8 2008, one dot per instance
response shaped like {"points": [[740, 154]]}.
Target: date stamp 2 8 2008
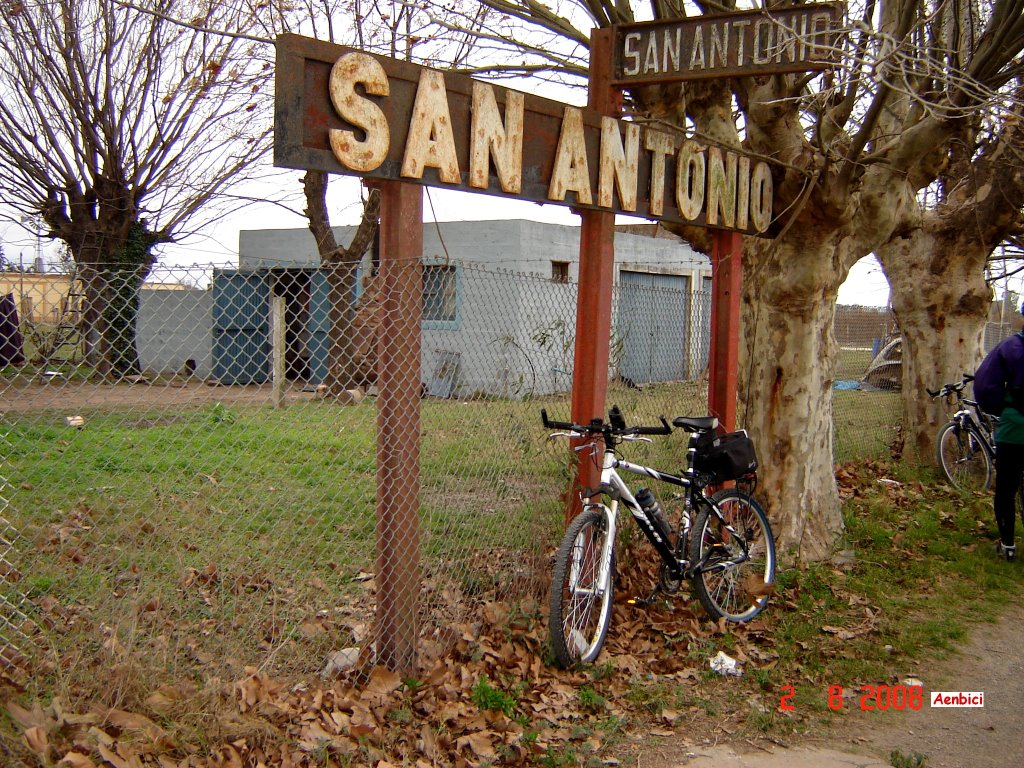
{"points": [[887, 698]]}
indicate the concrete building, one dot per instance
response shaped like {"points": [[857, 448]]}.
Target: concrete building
{"points": [[500, 304]]}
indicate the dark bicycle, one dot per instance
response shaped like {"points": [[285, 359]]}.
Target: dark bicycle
{"points": [[722, 542], [965, 446]]}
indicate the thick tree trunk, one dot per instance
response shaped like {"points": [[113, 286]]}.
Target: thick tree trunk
{"points": [[790, 351], [93, 324], [112, 249], [936, 270], [346, 368], [121, 313], [941, 301]]}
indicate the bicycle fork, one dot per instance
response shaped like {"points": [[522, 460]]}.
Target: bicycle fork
{"points": [[600, 584]]}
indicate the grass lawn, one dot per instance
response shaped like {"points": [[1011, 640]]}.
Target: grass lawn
{"points": [[211, 543], [242, 524]]}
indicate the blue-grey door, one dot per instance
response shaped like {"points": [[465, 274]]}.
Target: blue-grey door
{"points": [[241, 327], [653, 325], [319, 339]]}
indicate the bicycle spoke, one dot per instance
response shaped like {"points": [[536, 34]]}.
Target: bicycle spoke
{"points": [[581, 595], [742, 561]]}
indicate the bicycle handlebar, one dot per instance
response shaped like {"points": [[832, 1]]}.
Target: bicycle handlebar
{"points": [[599, 426], [950, 389]]}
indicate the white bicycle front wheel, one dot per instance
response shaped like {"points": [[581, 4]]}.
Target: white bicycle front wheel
{"points": [[736, 573], [582, 590]]}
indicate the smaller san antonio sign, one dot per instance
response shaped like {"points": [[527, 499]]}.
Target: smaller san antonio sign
{"points": [[342, 110], [793, 39]]}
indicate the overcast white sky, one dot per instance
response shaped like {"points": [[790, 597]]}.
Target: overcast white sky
{"points": [[866, 285]]}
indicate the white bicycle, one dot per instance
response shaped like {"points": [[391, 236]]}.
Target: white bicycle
{"points": [[721, 543]]}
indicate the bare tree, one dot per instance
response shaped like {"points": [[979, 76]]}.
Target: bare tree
{"points": [[851, 150], [400, 30], [936, 264], [122, 130]]}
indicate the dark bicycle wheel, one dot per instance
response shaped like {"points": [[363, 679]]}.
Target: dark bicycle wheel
{"points": [[963, 457], [737, 592], [582, 589]]}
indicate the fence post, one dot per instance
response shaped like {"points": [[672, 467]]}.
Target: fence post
{"points": [[597, 272], [398, 424], [277, 375], [726, 271]]}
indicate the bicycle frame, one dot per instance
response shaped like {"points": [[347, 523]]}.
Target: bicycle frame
{"points": [[969, 422], [968, 414], [616, 489]]}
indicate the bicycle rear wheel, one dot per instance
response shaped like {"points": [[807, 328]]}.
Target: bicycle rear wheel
{"points": [[581, 591], [964, 460], [736, 592]]}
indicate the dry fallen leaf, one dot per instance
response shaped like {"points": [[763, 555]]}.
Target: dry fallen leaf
{"points": [[756, 586], [77, 760], [842, 634], [37, 740], [479, 743]]}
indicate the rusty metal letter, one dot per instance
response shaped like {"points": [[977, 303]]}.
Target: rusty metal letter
{"points": [[721, 189], [660, 145], [367, 155], [761, 192], [431, 141], [571, 172], [618, 167], [743, 193], [490, 138], [690, 172]]}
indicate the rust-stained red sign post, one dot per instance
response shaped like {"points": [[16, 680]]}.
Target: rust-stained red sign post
{"points": [[592, 349]]}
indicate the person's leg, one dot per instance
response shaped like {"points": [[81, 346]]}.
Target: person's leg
{"points": [[1009, 467]]}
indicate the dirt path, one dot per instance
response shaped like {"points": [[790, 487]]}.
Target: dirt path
{"points": [[991, 661], [27, 396]]}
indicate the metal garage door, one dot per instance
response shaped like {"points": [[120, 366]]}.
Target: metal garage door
{"points": [[241, 325], [653, 324]]}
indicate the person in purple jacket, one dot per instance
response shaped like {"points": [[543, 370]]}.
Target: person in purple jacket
{"points": [[999, 390]]}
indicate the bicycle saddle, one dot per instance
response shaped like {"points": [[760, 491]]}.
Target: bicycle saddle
{"points": [[695, 423]]}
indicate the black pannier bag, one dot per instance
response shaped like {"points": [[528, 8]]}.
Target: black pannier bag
{"points": [[726, 457]]}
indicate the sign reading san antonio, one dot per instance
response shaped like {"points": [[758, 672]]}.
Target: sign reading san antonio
{"points": [[793, 39], [342, 110]]}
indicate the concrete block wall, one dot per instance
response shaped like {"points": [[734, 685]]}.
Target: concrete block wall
{"points": [[174, 327]]}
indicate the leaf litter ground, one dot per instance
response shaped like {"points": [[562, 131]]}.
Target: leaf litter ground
{"points": [[486, 693]]}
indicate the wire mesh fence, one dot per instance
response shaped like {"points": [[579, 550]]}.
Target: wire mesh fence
{"points": [[237, 488]]}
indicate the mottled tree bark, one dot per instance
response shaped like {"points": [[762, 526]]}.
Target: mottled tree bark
{"points": [[789, 357], [936, 268]]}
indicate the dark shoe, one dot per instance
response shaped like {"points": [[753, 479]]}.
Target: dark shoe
{"points": [[1007, 553]]}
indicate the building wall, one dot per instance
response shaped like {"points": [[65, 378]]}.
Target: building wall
{"points": [[175, 326], [513, 335], [39, 297], [513, 244]]}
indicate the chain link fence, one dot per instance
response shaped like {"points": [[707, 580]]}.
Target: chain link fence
{"points": [[238, 488]]}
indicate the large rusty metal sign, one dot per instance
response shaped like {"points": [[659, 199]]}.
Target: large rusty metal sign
{"points": [[343, 110], [727, 45]]}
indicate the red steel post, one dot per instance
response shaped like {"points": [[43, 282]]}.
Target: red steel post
{"points": [[723, 358], [398, 424], [594, 300]]}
